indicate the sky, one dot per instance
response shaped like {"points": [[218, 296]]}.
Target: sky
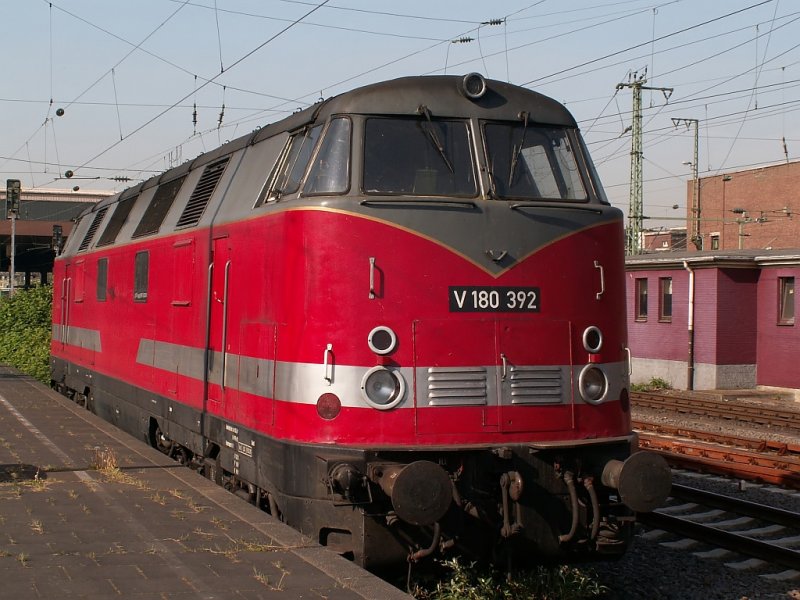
{"points": [[116, 91]]}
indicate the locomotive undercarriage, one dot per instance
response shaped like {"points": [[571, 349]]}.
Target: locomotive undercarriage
{"points": [[534, 506], [506, 505]]}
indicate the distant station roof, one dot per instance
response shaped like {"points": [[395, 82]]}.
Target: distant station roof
{"points": [[39, 211], [53, 205]]}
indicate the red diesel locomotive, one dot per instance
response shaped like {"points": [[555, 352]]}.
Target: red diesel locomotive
{"points": [[395, 320]]}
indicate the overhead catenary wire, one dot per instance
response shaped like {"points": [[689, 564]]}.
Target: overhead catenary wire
{"points": [[233, 65], [233, 121], [116, 102], [754, 95], [639, 45]]}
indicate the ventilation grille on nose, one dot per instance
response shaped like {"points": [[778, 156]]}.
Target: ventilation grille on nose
{"points": [[457, 386], [535, 385]]}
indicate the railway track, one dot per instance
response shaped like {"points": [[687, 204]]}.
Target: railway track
{"points": [[762, 532], [697, 404], [755, 458], [743, 458]]}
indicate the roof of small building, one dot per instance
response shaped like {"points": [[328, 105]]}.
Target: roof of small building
{"points": [[714, 259]]}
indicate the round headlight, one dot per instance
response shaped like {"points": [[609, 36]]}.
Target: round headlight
{"points": [[592, 339], [593, 384], [383, 389], [473, 86], [382, 340]]}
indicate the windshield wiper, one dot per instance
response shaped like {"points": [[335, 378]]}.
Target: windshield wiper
{"points": [[517, 150], [423, 110]]}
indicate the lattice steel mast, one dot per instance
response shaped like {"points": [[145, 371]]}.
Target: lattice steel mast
{"points": [[633, 231]]}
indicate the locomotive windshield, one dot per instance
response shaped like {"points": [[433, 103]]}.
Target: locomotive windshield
{"points": [[530, 162], [422, 157]]}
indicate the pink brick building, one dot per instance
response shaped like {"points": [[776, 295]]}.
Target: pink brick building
{"points": [[715, 320]]}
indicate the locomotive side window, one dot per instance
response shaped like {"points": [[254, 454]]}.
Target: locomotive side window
{"points": [[532, 162], [288, 171], [79, 280], [102, 279], [117, 221], [141, 269], [421, 157], [158, 208], [331, 169]]}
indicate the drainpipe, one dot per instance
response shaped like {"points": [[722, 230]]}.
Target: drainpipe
{"points": [[690, 358]]}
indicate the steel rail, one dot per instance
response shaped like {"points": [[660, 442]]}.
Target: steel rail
{"points": [[756, 444], [735, 542], [693, 404], [742, 464], [745, 508]]}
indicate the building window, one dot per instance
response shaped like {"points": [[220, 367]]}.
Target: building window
{"points": [[715, 241], [102, 279], [786, 300], [641, 299], [140, 277], [665, 293]]}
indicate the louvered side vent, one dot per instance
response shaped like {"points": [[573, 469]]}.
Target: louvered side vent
{"points": [[87, 239], [457, 386], [202, 194], [117, 220], [535, 385]]}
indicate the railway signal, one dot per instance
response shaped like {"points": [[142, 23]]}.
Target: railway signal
{"points": [[13, 194]]}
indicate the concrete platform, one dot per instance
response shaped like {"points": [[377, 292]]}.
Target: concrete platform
{"points": [[86, 511]]}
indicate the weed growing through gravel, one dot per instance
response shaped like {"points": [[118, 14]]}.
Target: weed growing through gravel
{"points": [[105, 461], [265, 581], [468, 582], [654, 385]]}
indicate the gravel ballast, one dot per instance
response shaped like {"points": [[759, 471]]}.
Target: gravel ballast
{"points": [[665, 566]]}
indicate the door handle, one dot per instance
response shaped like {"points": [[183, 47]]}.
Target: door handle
{"points": [[602, 291]]}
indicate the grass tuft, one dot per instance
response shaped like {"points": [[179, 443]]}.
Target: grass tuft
{"points": [[468, 582]]}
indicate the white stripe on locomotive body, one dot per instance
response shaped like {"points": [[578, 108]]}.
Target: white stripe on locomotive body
{"points": [[304, 383]]}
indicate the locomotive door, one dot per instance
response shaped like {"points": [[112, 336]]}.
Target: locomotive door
{"points": [[492, 375], [535, 376], [221, 365], [64, 307], [456, 388]]}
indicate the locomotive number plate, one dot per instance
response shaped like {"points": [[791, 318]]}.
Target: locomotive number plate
{"points": [[493, 299]]}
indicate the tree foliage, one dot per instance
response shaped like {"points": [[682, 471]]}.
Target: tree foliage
{"points": [[25, 331]]}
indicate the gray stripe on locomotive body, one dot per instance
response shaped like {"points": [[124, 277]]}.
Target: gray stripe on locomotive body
{"points": [[304, 383], [88, 339], [489, 224]]}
